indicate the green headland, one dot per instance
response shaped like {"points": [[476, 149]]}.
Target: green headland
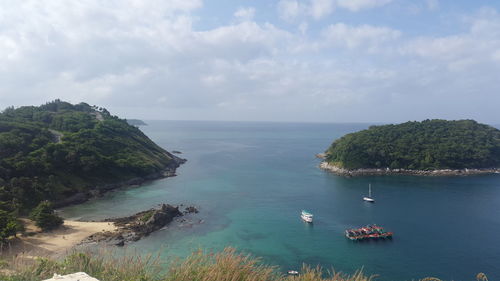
{"points": [[427, 147], [66, 153]]}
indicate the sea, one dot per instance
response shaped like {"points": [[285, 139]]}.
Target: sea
{"points": [[250, 181]]}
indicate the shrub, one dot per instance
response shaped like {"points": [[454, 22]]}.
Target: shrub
{"points": [[8, 225], [44, 216]]}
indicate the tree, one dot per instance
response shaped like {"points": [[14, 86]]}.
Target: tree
{"points": [[8, 225], [45, 217]]}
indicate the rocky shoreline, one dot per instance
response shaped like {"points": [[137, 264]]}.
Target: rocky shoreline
{"points": [[135, 227], [375, 172], [97, 191]]}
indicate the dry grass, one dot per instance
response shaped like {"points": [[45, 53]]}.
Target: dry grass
{"points": [[103, 266], [227, 265], [317, 274]]}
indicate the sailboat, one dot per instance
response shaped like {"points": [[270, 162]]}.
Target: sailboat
{"points": [[369, 197]]}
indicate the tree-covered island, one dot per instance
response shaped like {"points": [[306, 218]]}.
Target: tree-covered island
{"points": [[63, 153], [430, 147], [136, 122]]}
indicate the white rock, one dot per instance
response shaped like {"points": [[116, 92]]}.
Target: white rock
{"points": [[79, 276]]}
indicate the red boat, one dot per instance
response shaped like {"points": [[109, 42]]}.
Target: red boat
{"points": [[367, 232]]}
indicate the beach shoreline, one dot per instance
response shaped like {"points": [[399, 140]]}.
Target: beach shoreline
{"points": [[55, 243], [111, 232], [35, 243]]}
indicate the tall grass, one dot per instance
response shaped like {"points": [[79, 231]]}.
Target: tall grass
{"points": [[105, 267], [227, 265]]}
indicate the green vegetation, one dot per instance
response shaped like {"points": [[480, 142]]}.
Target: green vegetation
{"points": [[44, 217], [147, 215], [224, 266], [8, 225], [426, 145], [136, 122], [56, 150]]}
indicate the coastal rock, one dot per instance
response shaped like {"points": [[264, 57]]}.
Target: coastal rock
{"points": [[135, 227], [321, 155], [190, 209], [386, 171], [158, 219]]}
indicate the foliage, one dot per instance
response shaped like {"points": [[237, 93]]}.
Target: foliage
{"points": [[426, 145], [227, 265], [58, 149], [147, 216], [44, 217], [8, 225]]}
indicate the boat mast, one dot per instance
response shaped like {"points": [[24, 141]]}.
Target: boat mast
{"points": [[370, 190]]}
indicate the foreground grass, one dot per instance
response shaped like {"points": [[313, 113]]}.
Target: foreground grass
{"points": [[227, 265]]}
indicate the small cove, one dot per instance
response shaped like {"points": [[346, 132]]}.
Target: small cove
{"points": [[250, 181]]}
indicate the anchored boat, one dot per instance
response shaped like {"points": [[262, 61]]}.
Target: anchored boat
{"points": [[369, 198], [367, 232], [306, 216]]}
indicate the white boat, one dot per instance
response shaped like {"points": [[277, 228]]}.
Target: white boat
{"points": [[369, 198], [293, 272], [306, 216]]}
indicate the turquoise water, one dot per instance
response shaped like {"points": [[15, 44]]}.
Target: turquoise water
{"points": [[251, 180]]}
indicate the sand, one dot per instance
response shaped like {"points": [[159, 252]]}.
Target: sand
{"points": [[54, 243]]}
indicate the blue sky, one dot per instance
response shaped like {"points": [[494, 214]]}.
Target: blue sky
{"points": [[285, 60]]}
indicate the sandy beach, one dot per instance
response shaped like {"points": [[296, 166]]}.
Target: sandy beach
{"points": [[53, 243]]}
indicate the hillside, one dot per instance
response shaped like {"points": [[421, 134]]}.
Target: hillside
{"points": [[426, 145], [59, 150]]}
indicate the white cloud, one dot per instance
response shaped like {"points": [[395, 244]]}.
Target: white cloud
{"points": [[357, 5], [438, 48], [154, 54], [245, 14], [289, 9], [478, 44], [8, 48], [321, 8], [213, 79], [365, 36], [100, 54], [292, 10], [242, 41]]}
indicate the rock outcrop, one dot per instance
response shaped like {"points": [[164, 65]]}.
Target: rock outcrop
{"points": [[374, 172], [79, 276], [135, 227]]}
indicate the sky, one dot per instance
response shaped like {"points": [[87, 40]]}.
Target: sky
{"points": [[260, 60]]}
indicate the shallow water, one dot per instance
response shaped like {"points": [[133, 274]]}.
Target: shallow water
{"points": [[250, 181]]}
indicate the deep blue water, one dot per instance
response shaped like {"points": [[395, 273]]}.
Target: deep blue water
{"points": [[250, 181]]}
